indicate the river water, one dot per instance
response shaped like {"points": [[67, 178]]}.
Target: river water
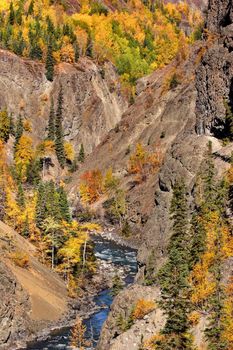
{"points": [[119, 256]]}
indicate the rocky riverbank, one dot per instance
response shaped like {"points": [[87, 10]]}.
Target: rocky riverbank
{"points": [[94, 305]]}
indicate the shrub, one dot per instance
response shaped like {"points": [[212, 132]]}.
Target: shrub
{"points": [[98, 8], [174, 81], [194, 318], [20, 259], [142, 308], [124, 322]]}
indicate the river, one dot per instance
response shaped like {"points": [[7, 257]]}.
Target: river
{"points": [[119, 256]]}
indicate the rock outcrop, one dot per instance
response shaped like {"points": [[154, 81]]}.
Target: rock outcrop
{"points": [[93, 103], [214, 81], [201, 117], [14, 309], [31, 298]]}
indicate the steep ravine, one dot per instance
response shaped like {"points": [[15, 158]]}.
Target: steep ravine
{"points": [[113, 258], [203, 121]]}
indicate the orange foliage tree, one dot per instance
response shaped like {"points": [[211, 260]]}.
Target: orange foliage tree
{"points": [[142, 163], [91, 187]]}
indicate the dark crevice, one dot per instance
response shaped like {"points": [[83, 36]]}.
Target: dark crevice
{"points": [[223, 129], [226, 21]]}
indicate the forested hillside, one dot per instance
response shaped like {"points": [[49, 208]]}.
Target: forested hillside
{"points": [[116, 117], [137, 37]]}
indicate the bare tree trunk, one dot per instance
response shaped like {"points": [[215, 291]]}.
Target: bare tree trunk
{"points": [[84, 252]]}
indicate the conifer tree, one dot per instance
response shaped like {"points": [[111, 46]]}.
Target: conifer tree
{"points": [[31, 8], [173, 275], [26, 228], [20, 199], [5, 126], [51, 123], [12, 126], [19, 14], [59, 140], [64, 205], [81, 156], [19, 44], [2, 201], [49, 62], [11, 14], [33, 172], [76, 51], [198, 236], [52, 201], [40, 205], [89, 50]]}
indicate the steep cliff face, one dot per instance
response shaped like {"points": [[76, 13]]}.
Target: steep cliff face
{"points": [[214, 75], [14, 308], [204, 119], [31, 297], [93, 103]]}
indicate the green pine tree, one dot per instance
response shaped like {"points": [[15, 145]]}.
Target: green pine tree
{"points": [[59, 138], [64, 205], [12, 125], [19, 44], [40, 205], [173, 276], [19, 14], [26, 228], [33, 172], [76, 51], [5, 126], [51, 123], [117, 285], [31, 8], [2, 202], [11, 14], [20, 198], [81, 156], [49, 65]]}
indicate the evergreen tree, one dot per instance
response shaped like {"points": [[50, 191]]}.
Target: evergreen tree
{"points": [[51, 123], [2, 202], [89, 50], [19, 44], [31, 8], [12, 126], [49, 65], [19, 14], [40, 205], [59, 138], [76, 51], [208, 180], [198, 237], [26, 228], [81, 156], [19, 130], [20, 199], [33, 172], [117, 285], [4, 126], [12, 14], [52, 201], [7, 35], [35, 52], [173, 275], [64, 205]]}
